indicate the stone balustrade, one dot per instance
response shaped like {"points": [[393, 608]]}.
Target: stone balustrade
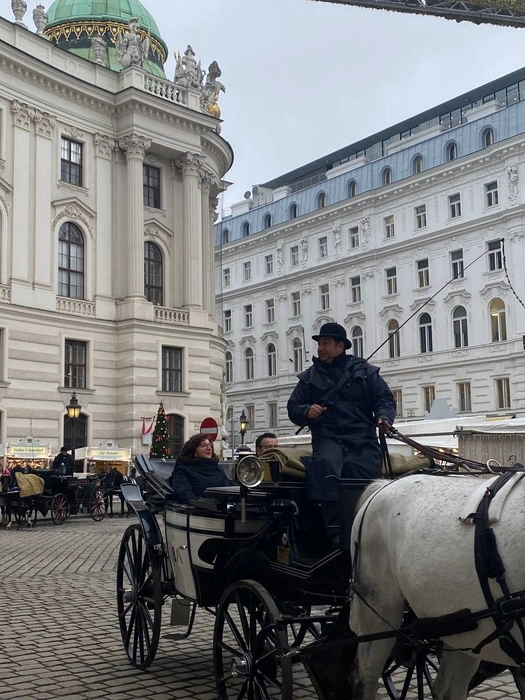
{"points": [[163, 88], [176, 317], [78, 307]]}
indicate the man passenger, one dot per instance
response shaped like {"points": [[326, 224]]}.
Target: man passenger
{"points": [[265, 442]]}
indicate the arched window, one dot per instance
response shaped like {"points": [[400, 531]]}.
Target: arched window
{"points": [[293, 213], [76, 432], [267, 221], [246, 229], [417, 165], [425, 333], [451, 151], [226, 236], [229, 368], [394, 345], [271, 357], [357, 341], [153, 273], [321, 200], [248, 363], [352, 188], [175, 426], [487, 137], [459, 322], [297, 355], [71, 262], [498, 320], [386, 176]]}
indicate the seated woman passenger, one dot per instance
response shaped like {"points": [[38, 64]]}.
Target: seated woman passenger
{"points": [[196, 470]]}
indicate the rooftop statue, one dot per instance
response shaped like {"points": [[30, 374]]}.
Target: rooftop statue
{"points": [[131, 49], [40, 18], [211, 90], [19, 8], [188, 73], [98, 46]]}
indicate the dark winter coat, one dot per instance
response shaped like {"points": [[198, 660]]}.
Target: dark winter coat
{"points": [[191, 479], [349, 423], [67, 461]]}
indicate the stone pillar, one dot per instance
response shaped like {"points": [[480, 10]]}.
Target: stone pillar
{"points": [[135, 147], [208, 272], [21, 188], [104, 149], [42, 243], [212, 217], [191, 164]]}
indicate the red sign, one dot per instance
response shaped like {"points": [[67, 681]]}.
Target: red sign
{"points": [[210, 428]]}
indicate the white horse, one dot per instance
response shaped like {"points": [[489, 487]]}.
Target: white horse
{"points": [[414, 550]]}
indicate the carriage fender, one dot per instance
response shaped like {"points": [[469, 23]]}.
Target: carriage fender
{"points": [[148, 522]]}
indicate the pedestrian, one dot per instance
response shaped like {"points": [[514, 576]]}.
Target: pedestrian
{"points": [[265, 442], [196, 470], [64, 462], [342, 399]]}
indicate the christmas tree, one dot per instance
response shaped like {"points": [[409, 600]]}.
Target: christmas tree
{"points": [[160, 447]]}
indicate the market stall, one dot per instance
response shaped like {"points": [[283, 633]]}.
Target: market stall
{"points": [[104, 457], [27, 452]]}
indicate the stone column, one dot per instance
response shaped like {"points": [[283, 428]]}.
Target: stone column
{"points": [[21, 188], [191, 164], [104, 147], [135, 147], [212, 216], [43, 242], [208, 281]]}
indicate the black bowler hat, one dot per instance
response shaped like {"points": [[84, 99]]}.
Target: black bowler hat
{"points": [[335, 331]]}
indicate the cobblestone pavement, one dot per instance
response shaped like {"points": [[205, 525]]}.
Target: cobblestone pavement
{"points": [[59, 635]]}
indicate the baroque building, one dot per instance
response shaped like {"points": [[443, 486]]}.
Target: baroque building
{"points": [[109, 176], [368, 234]]}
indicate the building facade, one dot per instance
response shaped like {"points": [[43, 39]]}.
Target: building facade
{"points": [[425, 219], [108, 185]]}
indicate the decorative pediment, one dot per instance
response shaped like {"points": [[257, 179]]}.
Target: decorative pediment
{"points": [[74, 210], [6, 192], [320, 321], [230, 345], [494, 289], [269, 337], [154, 229], [457, 297], [247, 341], [423, 302], [295, 331], [355, 319], [391, 310]]}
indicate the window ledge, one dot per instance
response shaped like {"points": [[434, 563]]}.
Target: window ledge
{"points": [[158, 209], [4, 385], [71, 389], [185, 394], [77, 188]]}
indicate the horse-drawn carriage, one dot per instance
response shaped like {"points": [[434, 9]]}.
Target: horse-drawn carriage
{"points": [[256, 557], [30, 492]]}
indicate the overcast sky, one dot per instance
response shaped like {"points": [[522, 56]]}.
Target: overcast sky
{"points": [[304, 78]]}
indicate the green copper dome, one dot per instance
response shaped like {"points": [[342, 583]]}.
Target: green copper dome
{"points": [[72, 24]]}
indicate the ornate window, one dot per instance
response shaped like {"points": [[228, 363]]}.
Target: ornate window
{"points": [[386, 176], [297, 355], [502, 392], [491, 194], [249, 363], [75, 364], [357, 341], [464, 397], [394, 345], [498, 320], [487, 137], [459, 323], [226, 235], [153, 273], [175, 426], [495, 255], [271, 357], [171, 369], [293, 212], [352, 188], [71, 162], [229, 368], [151, 186], [451, 151], [321, 200], [456, 260], [267, 221], [425, 333], [71, 262], [417, 165], [246, 229]]}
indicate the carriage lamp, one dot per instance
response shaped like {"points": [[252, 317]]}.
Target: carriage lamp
{"points": [[244, 425], [73, 411], [250, 472]]}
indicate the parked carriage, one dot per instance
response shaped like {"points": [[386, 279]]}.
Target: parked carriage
{"points": [[53, 493]]}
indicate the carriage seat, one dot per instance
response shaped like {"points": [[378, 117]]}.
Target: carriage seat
{"points": [[163, 470]]}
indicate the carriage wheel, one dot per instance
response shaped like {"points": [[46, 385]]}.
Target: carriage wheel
{"points": [[59, 509], [139, 597], [249, 649], [97, 504], [415, 669]]}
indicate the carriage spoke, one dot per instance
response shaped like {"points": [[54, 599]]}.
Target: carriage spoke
{"points": [[243, 618], [235, 631], [130, 561], [260, 686], [230, 650], [130, 627], [406, 685]]}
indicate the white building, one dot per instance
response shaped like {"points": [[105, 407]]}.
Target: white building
{"points": [[364, 237], [108, 186]]}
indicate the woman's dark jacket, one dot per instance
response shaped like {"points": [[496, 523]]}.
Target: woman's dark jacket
{"points": [[353, 411], [191, 478]]}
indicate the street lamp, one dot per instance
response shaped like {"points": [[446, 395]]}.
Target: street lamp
{"points": [[73, 412], [244, 425]]}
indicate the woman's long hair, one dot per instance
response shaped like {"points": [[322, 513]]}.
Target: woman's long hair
{"points": [[188, 451]]}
